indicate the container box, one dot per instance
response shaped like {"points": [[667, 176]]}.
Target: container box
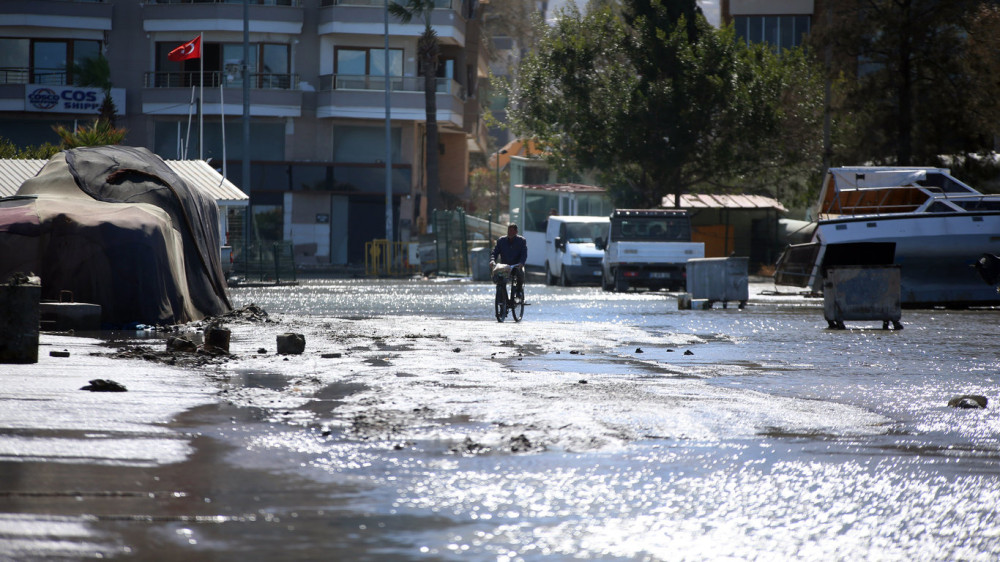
{"points": [[719, 280], [869, 292]]}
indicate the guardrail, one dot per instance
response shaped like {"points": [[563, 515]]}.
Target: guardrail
{"points": [[376, 82], [186, 79]]}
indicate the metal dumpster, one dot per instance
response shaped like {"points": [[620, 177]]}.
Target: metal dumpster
{"points": [[870, 292], [719, 279]]}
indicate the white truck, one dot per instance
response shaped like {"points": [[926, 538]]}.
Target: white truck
{"points": [[648, 248], [570, 254]]}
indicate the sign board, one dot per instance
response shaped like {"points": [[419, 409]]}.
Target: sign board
{"points": [[70, 99]]}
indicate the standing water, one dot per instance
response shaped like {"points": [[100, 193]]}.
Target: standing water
{"points": [[614, 426]]}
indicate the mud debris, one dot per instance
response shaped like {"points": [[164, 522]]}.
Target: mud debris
{"points": [[104, 385]]}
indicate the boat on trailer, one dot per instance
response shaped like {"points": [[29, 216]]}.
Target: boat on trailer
{"points": [[932, 225]]}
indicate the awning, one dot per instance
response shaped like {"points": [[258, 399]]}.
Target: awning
{"points": [[196, 173]]}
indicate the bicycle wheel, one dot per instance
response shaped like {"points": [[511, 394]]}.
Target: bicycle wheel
{"points": [[517, 302], [500, 303]]}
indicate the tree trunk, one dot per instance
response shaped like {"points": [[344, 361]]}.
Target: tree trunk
{"points": [[428, 51]]}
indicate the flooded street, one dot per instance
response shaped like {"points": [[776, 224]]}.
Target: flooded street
{"points": [[604, 426]]}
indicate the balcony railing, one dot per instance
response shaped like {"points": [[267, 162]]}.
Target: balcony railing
{"points": [[443, 4], [329, 82], [255, 2], [186, 79], [48, 76]]}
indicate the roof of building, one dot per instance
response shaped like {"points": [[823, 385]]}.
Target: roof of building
{"points": [[197, 173], [563, 187], [706, 201], [688, 200]]}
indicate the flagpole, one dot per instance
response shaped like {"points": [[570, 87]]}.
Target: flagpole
{"points": [[201, 97], [222, 120]]}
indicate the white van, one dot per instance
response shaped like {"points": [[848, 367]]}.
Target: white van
{"points": [[570, 255]]}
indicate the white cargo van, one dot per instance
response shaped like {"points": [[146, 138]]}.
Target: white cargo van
{"points": [[570, 254]]}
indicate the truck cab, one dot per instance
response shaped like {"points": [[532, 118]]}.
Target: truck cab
{"points": [[570, 254], [648, 248]]}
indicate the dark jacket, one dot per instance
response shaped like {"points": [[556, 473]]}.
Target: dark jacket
{"points": [[510, 252]]}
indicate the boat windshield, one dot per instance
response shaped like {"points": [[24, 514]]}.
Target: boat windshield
{"points": [[946, 184]]}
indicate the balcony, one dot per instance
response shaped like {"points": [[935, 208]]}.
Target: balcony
{"points": [[271, 95], [266, 16], [367, 17], [356, 96], [84, 16], [47, 76], [186, 79]]}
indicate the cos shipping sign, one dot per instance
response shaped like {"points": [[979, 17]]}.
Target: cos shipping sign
{"points": [[67, 99]]}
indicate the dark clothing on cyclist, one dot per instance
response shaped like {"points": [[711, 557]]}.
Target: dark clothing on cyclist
{"points": [[512, 251]]}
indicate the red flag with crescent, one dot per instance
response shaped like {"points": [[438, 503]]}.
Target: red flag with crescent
{"points": [[189, 50]]}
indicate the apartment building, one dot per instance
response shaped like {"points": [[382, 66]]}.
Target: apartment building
{"points": [[317, 104], [780, 23]]}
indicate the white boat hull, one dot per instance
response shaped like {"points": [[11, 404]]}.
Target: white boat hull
{"points": [[935, 252]]}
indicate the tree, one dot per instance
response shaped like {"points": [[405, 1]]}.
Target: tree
{"points": [[659, 102], [96, 72], [427, 50], [904, 74], [12, 151]]}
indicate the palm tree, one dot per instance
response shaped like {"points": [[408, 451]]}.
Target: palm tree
{"points": [[427, 48]]}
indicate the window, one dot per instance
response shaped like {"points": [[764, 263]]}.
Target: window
{"points": [[43, 61], [269, 65], [366, 61], [781, 32]]}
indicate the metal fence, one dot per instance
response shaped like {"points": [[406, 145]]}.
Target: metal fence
{"points": [[451, 242], [385, 258], [264, 261]]}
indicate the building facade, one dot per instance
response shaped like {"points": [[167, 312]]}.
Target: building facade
{"points": [[780, 23], [317, 103]]}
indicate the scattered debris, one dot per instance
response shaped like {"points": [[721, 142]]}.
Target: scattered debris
{"points": [[331, 356], [62, 353], [968, 401], [104, 385], [291, 343], [181, 344], [457, 350], [469, 447], [583, 381], [638, 350], [249, 313], [688, 352], [261, 351], [217, 338], [521, 444]]}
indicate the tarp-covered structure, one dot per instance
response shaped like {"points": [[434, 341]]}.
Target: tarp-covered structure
{"points": [[115, 226]]}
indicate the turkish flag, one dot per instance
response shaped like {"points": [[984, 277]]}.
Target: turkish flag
{"points": [[189, 50]]}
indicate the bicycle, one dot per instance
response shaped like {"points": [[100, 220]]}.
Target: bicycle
{"points": [[504, 304]]}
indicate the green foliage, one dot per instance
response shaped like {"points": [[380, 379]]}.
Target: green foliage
{"points": [[913, 79], [97, 133], [10, 150], [659, 102]]}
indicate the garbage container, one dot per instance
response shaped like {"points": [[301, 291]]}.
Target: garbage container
{"points": [[19, 321], [479, 262], [862, 292], [719, 279]]}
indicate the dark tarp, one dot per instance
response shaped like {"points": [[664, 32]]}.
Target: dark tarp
{"points": [[115, 226]]}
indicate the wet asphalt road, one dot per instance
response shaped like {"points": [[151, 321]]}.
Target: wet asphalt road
{"points": [[602, 427]]}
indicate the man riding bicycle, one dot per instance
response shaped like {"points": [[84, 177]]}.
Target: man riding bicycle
{"points": [[511, 250]]}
